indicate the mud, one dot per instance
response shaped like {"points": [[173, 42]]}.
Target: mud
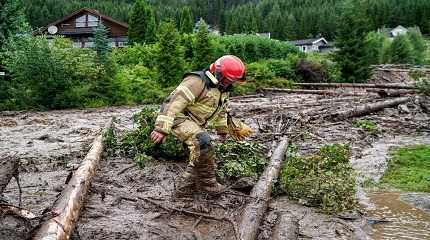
{"points": [[51, 144]]}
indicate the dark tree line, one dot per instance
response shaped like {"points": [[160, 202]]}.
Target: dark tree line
{"points": [[286, 19]]}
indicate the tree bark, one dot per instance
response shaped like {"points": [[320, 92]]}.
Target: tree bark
{"points": [[254, 211], [68, 206], [369, 108], [355, 85]]}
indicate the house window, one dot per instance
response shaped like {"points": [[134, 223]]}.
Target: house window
{"points": [[122, 44], [87, 21], [89, 44]]}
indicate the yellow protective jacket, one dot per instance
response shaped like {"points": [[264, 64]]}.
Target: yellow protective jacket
{"points": [[197, 98]]}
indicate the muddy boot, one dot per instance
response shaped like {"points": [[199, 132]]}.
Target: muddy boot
{"points": [[184, 185], [204, 174]]}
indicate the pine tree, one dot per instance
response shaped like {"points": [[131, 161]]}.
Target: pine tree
{"points": [[418, 44], [401, 50], [186, 23], [203, 52], [276, 23], [101, 43], [12, 20], [352, 30], [142, 25], [170, 56]]}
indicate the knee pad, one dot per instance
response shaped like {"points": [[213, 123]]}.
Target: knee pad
{"points": [[204, 141]]}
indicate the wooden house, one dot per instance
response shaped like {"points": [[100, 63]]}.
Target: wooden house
{"points": [[80, 25]]}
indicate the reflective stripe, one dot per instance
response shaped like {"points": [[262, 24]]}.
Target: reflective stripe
{"points": [[187, 92], [220, 123], [167, 119], [204, 108]]}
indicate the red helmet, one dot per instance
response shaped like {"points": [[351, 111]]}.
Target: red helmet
{"points": [[228, 69]]}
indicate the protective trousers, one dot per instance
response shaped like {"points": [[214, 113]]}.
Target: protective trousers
{"points": [[201, 155]]}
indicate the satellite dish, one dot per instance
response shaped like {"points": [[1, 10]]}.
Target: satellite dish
{"points": [[52, 30]]}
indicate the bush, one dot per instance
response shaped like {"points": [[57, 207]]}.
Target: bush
{"points": [[240, 159], [138, 144], [252, 48], [137, 84], [325, 179]]}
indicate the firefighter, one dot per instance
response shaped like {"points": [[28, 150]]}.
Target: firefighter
{"points": [[201, 100]]}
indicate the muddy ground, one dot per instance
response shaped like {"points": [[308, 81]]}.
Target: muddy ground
{"points": [[127, 202]]}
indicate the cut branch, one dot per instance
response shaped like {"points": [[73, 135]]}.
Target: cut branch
{"points": [[369, 108], [67, 207], [255, 209]]}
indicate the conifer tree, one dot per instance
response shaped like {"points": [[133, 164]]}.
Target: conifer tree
{"points": [[12, 20], [142, 27], [353, 27], [203, 52], [418, 44], [101, 43], [186, 23], [170, 56], [401, 50]]}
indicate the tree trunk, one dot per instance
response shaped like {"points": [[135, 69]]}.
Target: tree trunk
{"points": [[68, 206], [355, 85], [8, 168], [369, 108], [319, 92], [254, 211]]}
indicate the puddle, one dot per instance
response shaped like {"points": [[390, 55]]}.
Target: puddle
{"points": [[403, 221], [389, 216]]}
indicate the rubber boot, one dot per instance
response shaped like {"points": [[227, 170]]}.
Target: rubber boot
{"points": [[204, 173], [185, 184]]}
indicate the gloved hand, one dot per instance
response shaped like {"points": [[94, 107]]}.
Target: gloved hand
{"points": [[238, 130]]}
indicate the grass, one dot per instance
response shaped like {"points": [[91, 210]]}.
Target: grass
{"points": [[409, 169], [366, 125]]}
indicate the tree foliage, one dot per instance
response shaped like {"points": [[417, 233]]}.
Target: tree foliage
{"points": [[170, 60], [203, 50], [301, 19], [353, 27], [187, 22], [12, 20], [142, 26]]}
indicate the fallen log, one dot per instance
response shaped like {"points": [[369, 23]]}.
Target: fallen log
{"points": [[356, 85], [255, 209], [67, 207], [368, 108], [392, 92], [318, 92]]}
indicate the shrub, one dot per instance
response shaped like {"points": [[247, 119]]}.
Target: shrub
{"points": [[366, 125], [138, 143], [137, 84], [325, 179], [240, 159]]}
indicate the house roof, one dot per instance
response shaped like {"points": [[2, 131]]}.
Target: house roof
{"points": [[309, 41], [89, 10]]}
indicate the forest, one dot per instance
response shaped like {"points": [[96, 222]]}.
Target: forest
{"points": [[285, 19]]}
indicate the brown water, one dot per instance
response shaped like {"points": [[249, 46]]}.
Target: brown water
{"points": [[403, 220]]}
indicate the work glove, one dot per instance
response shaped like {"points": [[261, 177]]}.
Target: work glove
{"points": [[238, 130]]}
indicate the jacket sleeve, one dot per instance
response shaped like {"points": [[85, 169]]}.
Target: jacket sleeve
{"points": [[220, 123], [177, 101]]}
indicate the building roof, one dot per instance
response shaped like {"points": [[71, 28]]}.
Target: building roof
{"points": [[89, 10], [309, 41]]}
